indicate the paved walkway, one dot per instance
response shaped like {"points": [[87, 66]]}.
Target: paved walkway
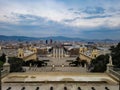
{"points": [[60, 64], [56, 69]]}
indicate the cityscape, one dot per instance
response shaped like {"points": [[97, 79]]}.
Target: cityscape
{"points": [[59, 45]]}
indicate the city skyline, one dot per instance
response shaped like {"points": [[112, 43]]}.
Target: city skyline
{"points": [[91, 19]]}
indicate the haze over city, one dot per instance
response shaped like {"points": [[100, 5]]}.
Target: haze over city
{"points": [[93, 19]]}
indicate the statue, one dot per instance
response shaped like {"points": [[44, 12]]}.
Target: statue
{"points": [[110, 64], [6, 65], [110, 60], [6, 59]]}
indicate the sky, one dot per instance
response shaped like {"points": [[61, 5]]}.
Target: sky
{"points": [[90, 19]]}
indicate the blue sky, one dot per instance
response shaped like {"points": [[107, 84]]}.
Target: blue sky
{"points": [[92, 19]]}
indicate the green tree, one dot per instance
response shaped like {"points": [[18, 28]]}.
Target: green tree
{"points": [[15, 64], [2, 59], [83, 63], [99, 64], [1, 63], [78, 59], [115, 52]]}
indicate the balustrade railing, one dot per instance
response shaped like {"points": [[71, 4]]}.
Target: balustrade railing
{"points": [[4, 73], [115, 73]]}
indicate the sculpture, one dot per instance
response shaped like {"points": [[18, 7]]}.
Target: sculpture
{"points": [[6, 59], [110, 60]]}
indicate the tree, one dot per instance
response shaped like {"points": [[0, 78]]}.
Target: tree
{"points": [[115, 52], [78, 59], [83, 62], [1, 63], [33, 62], [15, 64], [2, 58], [99, 64], [76, 62]]}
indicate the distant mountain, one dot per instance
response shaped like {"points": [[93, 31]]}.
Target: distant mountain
{"points": [[16, 38], [59, 38], [23, 38], [63, 38]]}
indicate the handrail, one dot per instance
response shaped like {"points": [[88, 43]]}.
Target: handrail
{"points": [[116, 74], [4, 73]]}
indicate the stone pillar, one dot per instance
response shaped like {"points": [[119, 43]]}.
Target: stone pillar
{"points": [[62, 53], [0, 48], [59, 53], [53, 52], [56, 53]]}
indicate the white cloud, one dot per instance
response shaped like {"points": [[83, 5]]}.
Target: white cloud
{"points": [[50, 10], [55, 11]]}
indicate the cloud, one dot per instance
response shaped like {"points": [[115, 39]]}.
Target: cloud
{"points": [[94, 10], [102, 33], [51, 10], [58, 17], [97, 16]]}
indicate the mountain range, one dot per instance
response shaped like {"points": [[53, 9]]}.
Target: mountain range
{"points": [[57, 38]]}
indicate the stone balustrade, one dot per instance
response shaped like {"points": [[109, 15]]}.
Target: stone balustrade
{"points": [[115, 73], [4, 73]]}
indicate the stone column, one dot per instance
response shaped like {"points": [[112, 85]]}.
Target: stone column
{"points": [[56, 52], [59, 53], [53, 52], [62, 53], [0, 48]]}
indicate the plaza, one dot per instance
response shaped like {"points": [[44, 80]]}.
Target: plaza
{"points": [[59, 74], [59, 77]]}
